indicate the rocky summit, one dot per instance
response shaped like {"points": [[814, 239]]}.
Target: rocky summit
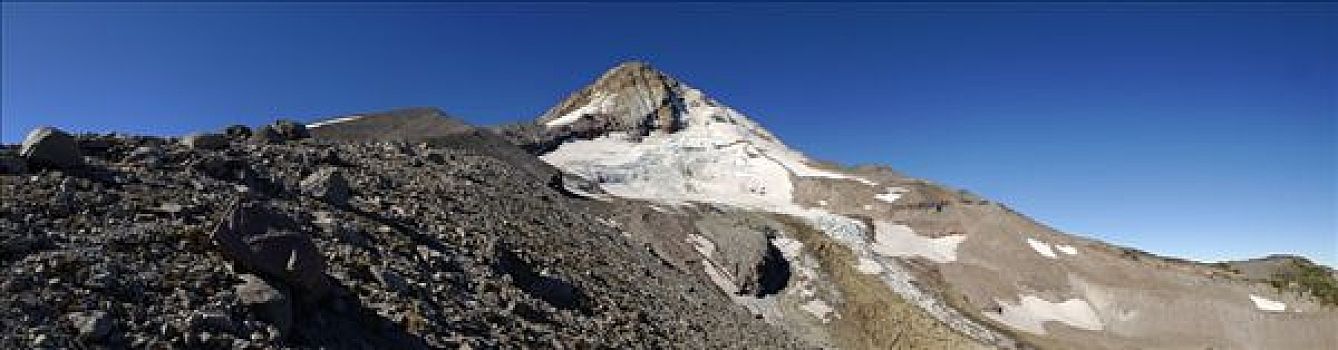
{"points": [[636, 213]]}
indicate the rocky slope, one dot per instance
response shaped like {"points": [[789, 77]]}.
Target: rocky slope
{"points": [[952, 260], [270, 239]]}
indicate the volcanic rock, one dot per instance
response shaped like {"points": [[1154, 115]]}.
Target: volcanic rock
{"points": [[327, 184], [51, 147], [205, 141]]}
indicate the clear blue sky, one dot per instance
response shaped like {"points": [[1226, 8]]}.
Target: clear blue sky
{"points": [[1198, 130]]}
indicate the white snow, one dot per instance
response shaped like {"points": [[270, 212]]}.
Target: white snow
{"points": [[333, 121], [818, 308], [789, 248], [703, 246], [598, 102], [1066, 249], [719, 156], [1264, 304], [868, 207], [892, 239], [1031, 313], [822, 203], [893, 193], [869, 266], [1041, 247]]}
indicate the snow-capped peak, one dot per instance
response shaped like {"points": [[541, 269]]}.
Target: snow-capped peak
{"points": [[644, 134]]}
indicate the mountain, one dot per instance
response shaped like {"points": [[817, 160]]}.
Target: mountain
{"points": [[638, 212], [977, 267]]}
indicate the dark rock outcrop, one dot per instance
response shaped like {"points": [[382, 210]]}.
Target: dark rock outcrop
{"points": [[47, 146]]}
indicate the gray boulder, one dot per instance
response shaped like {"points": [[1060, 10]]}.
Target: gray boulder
{"points": [[291, 130], [327, 184], [267, 134], [271, 244], [51, 147], [238, 132], [92, 325], [205, 141], [266, 301]]}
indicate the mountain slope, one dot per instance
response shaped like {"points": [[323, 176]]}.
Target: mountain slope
{"points": [[233, 243], [976, 266]]}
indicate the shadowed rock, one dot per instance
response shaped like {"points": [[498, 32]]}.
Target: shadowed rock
{"points": [[205, 141], [327, 184], [51, 147]]}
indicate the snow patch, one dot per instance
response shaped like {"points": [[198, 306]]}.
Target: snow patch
{"points": [[333, 121], [1265, 304], [822, 203], [899, 240], [789, 248], [893, 193], [1041, 248], [1031, 313], [598, 102], [1066, 249], [869, 266], [818, 308]]}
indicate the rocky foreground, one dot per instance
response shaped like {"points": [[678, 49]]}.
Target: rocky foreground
{"points": [[267, 238]]}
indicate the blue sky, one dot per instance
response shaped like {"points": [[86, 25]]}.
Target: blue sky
{"points": [[1197, 130]]}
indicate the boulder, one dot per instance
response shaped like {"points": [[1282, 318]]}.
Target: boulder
{"points": [[10, 163], [271, 244], [238, 132], [49, 146], [205, 141], [266, 301], [327, 184], [291, 130], [266, 134], [92, 325], [151, 156]]}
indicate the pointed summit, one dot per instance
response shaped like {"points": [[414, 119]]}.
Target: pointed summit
{"points": [[632, 97]]}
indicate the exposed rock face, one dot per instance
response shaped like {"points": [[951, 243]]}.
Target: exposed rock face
{"points": [[632, 98], [742, 248], [49, 146]]}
